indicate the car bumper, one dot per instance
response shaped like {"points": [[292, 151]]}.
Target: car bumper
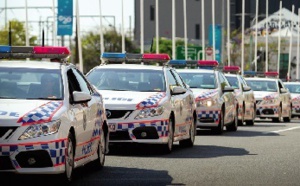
{"points": [[267, 111], [47, 157], [296, 110], [208, 116]]}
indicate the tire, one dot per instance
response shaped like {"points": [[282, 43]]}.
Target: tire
{"points": [[251, 122], [241, 122], [277, 120], [190, 141], [69, 158], [167, 148], [220, 128], [234, 125], [99, 162], [289, 118]]}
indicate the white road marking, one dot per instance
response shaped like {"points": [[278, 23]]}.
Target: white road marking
{"points": [[283, 130]]}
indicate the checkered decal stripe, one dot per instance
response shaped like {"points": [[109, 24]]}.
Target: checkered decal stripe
{"points": [[270, 96], [44, 113], [56, 150], [161, 126], [206, 95], [151, 101], [296, 98], [210, 114]]}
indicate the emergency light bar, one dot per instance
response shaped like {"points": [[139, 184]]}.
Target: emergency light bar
{"points": [[134, 58], [177, 62], [249, 73], [34, 52], [235, 69], [205, 64]]}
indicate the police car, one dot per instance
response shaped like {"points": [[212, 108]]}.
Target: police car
{"points": [[294, 89], [52, 120], [243, 93], [273, 100], [145, 103], [215, 99]]}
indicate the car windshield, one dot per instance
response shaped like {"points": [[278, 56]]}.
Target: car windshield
{"points": [[199, 80], [261, 85], [28, 83], [293, 88], [141, 80], [233, 81]]}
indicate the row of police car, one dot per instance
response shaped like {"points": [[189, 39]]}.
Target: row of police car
{"points": [[54, 119]]}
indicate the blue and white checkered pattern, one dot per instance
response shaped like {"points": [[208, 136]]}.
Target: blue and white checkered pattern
{"points": [[151, 101], [275, 109], [214, 114], [160, 125], [207, 94], [55, 149], [271, 96], [42, 113]]}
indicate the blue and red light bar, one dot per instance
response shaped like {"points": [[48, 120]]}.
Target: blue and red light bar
{"points": [[34, 52], [135, 58], [235, 69]]}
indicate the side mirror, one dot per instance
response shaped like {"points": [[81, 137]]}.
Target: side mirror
{"points": [[246, 88], [228, 89], [81, 97], [178, 90], [283, 90]]}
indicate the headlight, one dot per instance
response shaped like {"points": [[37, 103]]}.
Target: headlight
{"points": [[150, 112], [38, 130], [207, 102]]}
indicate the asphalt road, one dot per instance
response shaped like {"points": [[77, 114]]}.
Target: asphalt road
{"points": [[264, 154]]}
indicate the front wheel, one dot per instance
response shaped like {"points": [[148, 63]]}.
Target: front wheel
{"points": [[234, 125], [220, 128], [288, 119], [190, 141], [99, 162], [69, 157], [167, 148]]}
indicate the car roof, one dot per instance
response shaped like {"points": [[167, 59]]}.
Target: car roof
{"points": [[230, 75], [30, 64], [195, 70], [260, 79], [291, 83], [130, 66]]}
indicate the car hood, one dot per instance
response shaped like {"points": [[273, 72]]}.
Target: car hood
{"points": [[123, 100], [259, 95], [204, 93], [27, 112]]}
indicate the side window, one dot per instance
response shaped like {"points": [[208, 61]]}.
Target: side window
{"points": [[76, 83], [82, 82], [223, 81], [178, 79], [280, 85], [171, 79], [241, 80]]}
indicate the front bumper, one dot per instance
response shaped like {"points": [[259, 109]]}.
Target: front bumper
{"points": [[208, 116], [149, 131], [46, 157], [268, 111], [296, 110]]}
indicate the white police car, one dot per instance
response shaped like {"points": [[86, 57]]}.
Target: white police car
{"points": [[243, 94], [51, 119], [145, 103], [294, 88], [273, 100], [215, 99]]}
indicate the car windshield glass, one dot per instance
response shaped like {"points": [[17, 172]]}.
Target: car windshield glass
{"points": [[261, 85], [199, 80], [141, 80], [29, 83], [293, 88], [233, 81]]}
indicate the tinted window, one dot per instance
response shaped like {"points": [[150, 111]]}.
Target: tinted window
{"points": [[260, 85], [233, 81], [199, 80]]}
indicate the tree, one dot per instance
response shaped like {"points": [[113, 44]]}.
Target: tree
{"points": [[18, 35], [91, 47]]}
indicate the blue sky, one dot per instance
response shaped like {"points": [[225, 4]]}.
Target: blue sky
{"points": [[111, 8]]}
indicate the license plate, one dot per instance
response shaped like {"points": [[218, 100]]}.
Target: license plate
{"points": [[112, 127]]}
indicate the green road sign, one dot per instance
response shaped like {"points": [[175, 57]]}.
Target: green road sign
{"points": [[194, 52]]}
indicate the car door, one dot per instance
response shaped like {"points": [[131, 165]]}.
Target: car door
{"points": [[85, 114], [229, 100], [285, 98]]}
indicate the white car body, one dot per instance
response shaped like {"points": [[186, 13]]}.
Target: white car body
{"points": [[275, 102], [125, 106], [212, 102], [245, 98], [83, 118], [294, 88]]}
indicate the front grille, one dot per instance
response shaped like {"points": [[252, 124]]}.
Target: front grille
{"points": [[206, 120], [5, 163], [112, 114], [6, 132], [119, 135], [268, 111], [145, 133]]}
